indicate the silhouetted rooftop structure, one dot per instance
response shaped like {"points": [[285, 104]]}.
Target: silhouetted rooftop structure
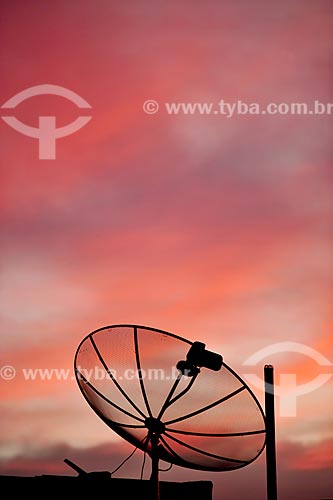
{"points": [[93, 484]]}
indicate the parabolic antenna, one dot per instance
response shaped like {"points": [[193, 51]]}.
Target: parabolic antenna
{"points": [[170, 397]]}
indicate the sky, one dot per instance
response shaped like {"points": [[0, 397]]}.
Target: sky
{"points": [[216, 229]]}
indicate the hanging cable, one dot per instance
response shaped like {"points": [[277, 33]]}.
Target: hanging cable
{"points": [[166, 470], [143, 466], [129, 456], [124, 461]]}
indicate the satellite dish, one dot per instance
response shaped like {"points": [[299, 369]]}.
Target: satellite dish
{"points": [[171, 398]]}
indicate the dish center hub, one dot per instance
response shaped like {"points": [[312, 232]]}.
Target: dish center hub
{"points": [[154, 425]]}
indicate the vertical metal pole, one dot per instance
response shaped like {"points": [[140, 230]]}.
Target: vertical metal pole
{"points": [[154, 478], [270, 433]]}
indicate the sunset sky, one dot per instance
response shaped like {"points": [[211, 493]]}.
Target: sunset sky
{"points": [[216, 229]]}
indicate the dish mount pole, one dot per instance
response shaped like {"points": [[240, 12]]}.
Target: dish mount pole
{"points": [[154, 479], [271, 481]]}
